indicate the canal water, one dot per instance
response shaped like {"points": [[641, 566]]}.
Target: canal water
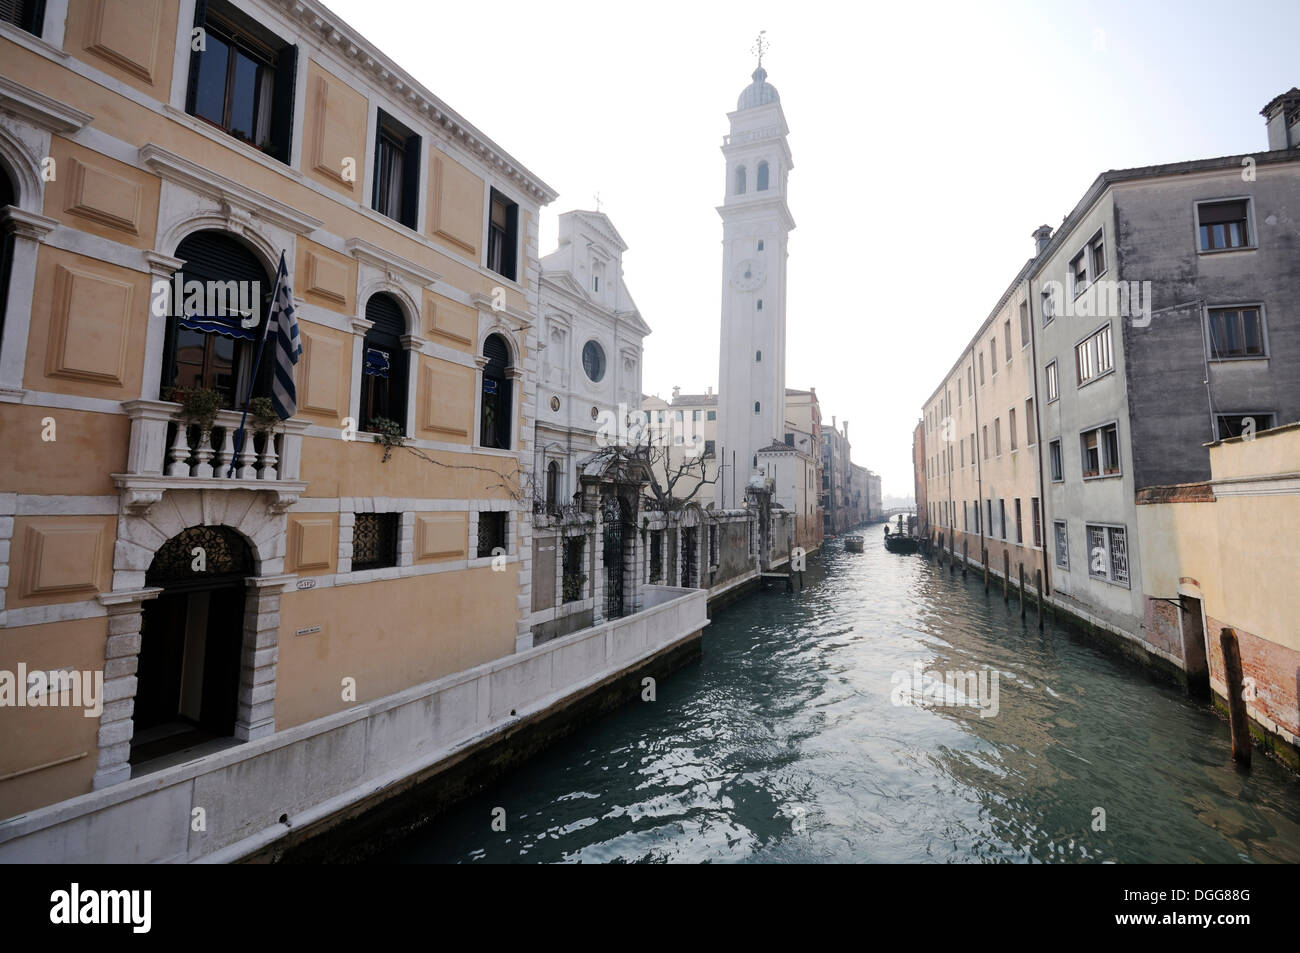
{"points": [[806, 734]]}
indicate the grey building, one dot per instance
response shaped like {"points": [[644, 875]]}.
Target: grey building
{"points": [[1166, 310]]}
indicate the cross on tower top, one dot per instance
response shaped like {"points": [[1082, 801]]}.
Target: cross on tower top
{"points": [[760, 47]]}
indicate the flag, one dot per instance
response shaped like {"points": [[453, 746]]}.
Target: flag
{"points": [[288, 346]]}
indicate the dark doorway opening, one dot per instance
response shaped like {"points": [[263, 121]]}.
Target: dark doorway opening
{"points": [[1194, 653], [191, 644]]}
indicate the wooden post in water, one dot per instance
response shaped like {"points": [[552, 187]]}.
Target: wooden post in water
{"points": [[1038, 585], [952, 554], [1022, 589], [965, 562], [1237, 718], [1006, 578], [984, 558]]}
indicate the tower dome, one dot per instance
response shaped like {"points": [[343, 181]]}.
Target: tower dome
{"points": [[758, 93]]}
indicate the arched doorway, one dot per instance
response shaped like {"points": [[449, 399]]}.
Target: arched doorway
{"points": [[191, 642]]}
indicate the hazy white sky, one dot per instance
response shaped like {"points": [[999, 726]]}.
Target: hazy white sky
{"points": [[929, 140]]}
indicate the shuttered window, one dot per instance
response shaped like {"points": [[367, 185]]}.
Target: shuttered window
{"points": [[396, 190], [384, 365]]}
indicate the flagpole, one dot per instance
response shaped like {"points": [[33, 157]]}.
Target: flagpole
{"points": [[252, 377]]}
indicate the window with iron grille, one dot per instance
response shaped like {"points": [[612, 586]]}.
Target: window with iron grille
{"points": [[374, 541], [574, 578], [1108, 553], [656, 556], [492, 533], [1062, 544]]}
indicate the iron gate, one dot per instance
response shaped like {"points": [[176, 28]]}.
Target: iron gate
{"points": [[614, 513], [689, 556]]}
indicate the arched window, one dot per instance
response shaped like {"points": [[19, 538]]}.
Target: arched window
{"points": [[207, 345], [383, 364], [740, 180], [552, 485], [8, 196], [756, 407], [762, 177], [495, 427]]}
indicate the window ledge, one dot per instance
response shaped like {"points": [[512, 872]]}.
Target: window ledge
{"points": [[1238, 360], [1095, 378], [213, 133], [1102, 476], [1226, 251]]}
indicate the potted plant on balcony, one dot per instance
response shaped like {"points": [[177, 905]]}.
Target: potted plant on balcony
{"points": [[388, 432], [199, 405]]}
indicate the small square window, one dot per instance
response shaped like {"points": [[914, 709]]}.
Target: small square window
{"points": [[492, 533], [374, 541], [760, 244], [1223, 225], [1236, 333]]}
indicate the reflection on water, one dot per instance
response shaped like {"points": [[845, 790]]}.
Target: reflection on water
{"points": [[783, 744]]}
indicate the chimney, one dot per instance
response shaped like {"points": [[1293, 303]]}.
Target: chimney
{"points": [[1042, 235], [846, 430], [834, 425], [676, 391], [708, 391], [1282, 116]]}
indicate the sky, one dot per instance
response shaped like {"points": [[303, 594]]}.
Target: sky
{"points": [[929, 141]]}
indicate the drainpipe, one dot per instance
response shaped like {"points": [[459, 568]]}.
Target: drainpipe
{"points": [[1038, 431], [979, 469]]}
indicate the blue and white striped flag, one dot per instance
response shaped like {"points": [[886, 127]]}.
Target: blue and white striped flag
{"points": [[288, 346]]}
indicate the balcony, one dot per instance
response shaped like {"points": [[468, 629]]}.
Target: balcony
{"points": [[166, 454]]}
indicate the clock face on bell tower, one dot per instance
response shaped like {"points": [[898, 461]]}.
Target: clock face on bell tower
{"points": [[748, 275]]}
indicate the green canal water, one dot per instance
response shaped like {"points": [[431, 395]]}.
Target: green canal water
{"points": [[791, 741]]}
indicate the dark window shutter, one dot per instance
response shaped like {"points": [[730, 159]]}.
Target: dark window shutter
{"points": [[34, 17], [411, 184], [389, 326], [286, 69], [200, 19], [1223, 212], [512, 242]]}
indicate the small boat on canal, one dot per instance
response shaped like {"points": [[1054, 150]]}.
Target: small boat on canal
{"points": [[902, 541], [853, 543]]}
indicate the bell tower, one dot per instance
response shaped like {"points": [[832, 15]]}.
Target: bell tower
{"points": [[756, 225]]}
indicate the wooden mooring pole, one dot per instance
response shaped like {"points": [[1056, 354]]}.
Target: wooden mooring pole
{"points": [[984, 558], [952, 554], [1022, 589], [965, 562], [1038, 586], [1237, 718], [1006, 578]]}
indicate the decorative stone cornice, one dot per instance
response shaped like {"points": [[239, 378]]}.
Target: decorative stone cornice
{"points": [[127, 597], [393, 265], [39, 109], [28, 224], [484, 303], [240, 204], [163, 266], [332, 32]]}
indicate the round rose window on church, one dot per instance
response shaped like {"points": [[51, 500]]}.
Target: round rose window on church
{"points": [[593, 361]]}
